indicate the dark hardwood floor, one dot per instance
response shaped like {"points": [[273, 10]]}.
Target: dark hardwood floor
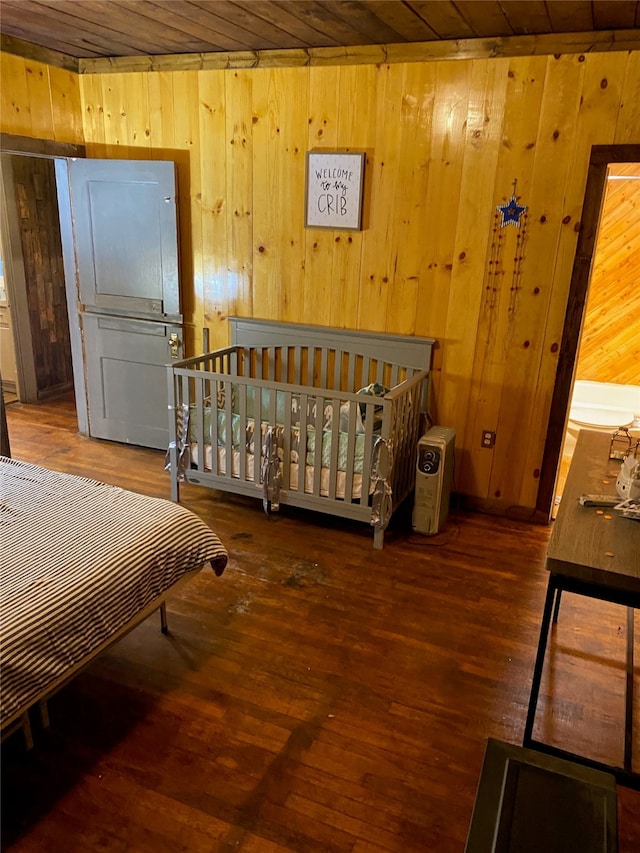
{"points": [[319, 696]]}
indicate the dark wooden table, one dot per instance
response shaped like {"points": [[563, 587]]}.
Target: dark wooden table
{"points": [[596, 554]]}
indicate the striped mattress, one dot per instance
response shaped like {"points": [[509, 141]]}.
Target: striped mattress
{"points": [[78, 561]]}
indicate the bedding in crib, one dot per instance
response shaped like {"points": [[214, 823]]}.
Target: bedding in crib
{"points": [[243, 429]]}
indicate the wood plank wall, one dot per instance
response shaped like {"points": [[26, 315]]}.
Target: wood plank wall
{"points": [[446, 143], [39, 100]]}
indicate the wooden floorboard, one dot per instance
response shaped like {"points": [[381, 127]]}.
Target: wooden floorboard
{"points": [[320, 696]]}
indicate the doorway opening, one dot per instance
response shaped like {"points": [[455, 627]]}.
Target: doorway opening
{"points": [[579, 329], [606, 388], [35, 327]]}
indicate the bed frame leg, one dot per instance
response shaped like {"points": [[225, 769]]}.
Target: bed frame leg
{"points": [[26, 730], [44, 713], [378, 539], [164, 626]]}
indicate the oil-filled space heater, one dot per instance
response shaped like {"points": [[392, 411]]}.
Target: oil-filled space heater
{"points": [[434, 477]]}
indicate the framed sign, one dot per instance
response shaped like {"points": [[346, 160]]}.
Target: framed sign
{"points": [[333, 197]]}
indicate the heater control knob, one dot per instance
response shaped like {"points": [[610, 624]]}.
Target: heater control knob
{"points": [[429, 460]]}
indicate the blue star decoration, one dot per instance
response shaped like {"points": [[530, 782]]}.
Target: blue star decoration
{"points": [[511, 212]]}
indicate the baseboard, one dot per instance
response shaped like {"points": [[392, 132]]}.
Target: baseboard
{"points": [[502, 509], [55, 391]]}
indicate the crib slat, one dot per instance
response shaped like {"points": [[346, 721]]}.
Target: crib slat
{"points": [[271, 396], [324, 366], [401, 427], [367, 451], [287, 440], [208, 397], [317, 456], [184, 398], [240, 409], [184, 389], [351, 377], [172, 396], [245, 356], [337, 370], [310, 360], [351, 449], [228, 422], [407, 430], [196, 410], [335, 447], [295, 356], [211, 439], [257, 434], [366, 370], [302, 468]]}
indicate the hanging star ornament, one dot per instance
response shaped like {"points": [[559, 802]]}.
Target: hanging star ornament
{"points": [[511, 212]]}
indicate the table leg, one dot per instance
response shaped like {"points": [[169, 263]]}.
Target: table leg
{"points": [[537, 670], [628, 720], [556, 609], [164, 627]]}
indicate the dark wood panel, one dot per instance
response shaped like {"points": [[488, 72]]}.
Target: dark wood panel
{"points": [[47, 147], [338, 30], [616, 14], [568, 15], [408, 22], [62, 42], [320, 696], [112, 28], [213, 29], [284, 18], [445, 20], [70, 29], [249, 28], [237, 32], [484, 18], [536, 21], [28, 50], [133, 17], [363, 18], [35, 192]]}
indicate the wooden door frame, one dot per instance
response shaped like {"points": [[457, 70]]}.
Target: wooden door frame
{"points": [[69, 265], [601, 157]]}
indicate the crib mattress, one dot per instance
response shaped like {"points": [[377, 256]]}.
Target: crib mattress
{"points": [[80, 559], [294, 483], [243, 434]]}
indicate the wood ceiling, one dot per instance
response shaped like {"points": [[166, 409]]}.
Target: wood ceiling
{"points": [[90, 29]]}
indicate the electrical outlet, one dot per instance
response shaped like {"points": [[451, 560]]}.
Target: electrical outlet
{"points": [[488, 438]]}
